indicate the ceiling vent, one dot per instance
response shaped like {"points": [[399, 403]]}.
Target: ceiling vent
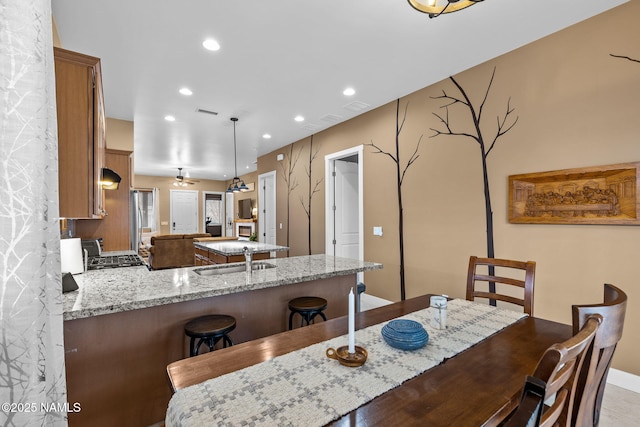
{"points": [[331, 118], [312, 127], [204, 111], [356, 106]]}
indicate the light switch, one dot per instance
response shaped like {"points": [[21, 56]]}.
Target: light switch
{"points": [[377, 231], [280, 226]]}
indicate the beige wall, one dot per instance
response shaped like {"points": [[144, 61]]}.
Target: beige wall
{"points": [[164, 184], [577, 107], [119, 134]]}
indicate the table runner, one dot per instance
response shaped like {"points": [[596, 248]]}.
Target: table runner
{"points": [[305, 387]]}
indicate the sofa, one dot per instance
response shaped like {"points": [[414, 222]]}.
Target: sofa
{"points": [[173, 250]]}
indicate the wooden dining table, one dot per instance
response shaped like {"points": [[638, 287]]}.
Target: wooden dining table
{"points": [[478, 387]]}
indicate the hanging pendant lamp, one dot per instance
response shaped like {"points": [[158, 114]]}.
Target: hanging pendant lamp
{"points": [[436, 8], [237, 184]]}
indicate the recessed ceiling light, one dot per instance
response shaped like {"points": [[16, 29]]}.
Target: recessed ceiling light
{"points": [[266, 136], [186, 91], [299, 119], [349, 91], [170, 118], [211, 44]]}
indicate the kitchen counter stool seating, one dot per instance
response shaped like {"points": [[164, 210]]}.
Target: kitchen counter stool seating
{"points": [[209, 330], [593, 377], [504, 266], [556, 375], [308, 308]]}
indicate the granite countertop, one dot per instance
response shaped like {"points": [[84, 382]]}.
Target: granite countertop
{"points": [[115, 290], [235, 247]]}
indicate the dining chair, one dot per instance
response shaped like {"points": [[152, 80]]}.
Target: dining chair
{"points": [[476, 273], [555, 376], [593, 376]]}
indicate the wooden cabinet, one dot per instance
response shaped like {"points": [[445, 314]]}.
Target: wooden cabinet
{"points": [[81, 134], [114, 228]]}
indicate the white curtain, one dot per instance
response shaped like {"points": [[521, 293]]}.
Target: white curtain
{"points": [[32, 379]]}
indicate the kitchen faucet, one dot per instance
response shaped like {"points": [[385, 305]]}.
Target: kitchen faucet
{"points": [[248, 258]]}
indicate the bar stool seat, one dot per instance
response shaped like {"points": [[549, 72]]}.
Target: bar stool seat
{"points": [[209, 330], [308, 308]]}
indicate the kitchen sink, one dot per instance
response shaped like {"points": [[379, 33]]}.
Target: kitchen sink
{"points": [[215, 270]]}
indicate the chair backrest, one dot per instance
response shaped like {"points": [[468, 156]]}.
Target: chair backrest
{"points": [[474, 275], [593, 377], [557, 372]]}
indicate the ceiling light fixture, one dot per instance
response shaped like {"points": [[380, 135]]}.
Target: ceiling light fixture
{"points": [[298, 119], [266, 136], [437, 7], [349, 91], [211, 44], [186, 91], [237, 184], [170, 118]]}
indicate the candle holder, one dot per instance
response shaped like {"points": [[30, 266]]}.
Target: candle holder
{"points": [[352, 360]]}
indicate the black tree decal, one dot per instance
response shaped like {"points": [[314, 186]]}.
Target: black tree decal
{"points": [[288, 165], [625, 57], [504, 125], [400, 174], [313, 189]]}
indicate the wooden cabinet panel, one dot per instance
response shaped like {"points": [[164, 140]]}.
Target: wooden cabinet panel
{"points": [[114, 227], [81, 134]]}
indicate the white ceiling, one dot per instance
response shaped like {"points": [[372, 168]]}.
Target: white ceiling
{"points": [[278, 59]]}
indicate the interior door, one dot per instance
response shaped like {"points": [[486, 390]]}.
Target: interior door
{"points": [[267, 208], [184, 211], [346, 215]]}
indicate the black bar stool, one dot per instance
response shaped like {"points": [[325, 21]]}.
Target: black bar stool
{"points": [[308, 308], [209, 329]]}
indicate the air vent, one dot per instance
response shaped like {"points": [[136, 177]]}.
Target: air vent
{"points": [[312, 127], [356, 106], [204, 111], [331, 118]]}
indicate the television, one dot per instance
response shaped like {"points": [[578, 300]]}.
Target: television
{"points": [[244, 209]]}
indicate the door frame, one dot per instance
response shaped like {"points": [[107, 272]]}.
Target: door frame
{"points": [[203, 218], [329, 180], [171, 193], [261, 224]]}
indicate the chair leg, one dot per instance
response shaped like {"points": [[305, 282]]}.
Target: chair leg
{"points": [[226, 340]]}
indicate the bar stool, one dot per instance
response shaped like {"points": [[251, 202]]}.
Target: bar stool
{"points": [[209, 329], [308, 308]]}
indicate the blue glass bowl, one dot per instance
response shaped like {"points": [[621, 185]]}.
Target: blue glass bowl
{"points": [[405, 334]]}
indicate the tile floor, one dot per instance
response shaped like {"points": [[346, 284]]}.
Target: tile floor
{"points": [[620, 407]]}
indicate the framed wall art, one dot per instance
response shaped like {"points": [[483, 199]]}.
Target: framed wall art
{"points": [[591, 195]]}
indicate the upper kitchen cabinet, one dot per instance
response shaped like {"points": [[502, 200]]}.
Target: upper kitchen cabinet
{"points": [[81, 134]]}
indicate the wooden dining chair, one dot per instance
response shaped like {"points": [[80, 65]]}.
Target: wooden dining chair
{"points": [[555, 376], [593, 376], [477, 274]]}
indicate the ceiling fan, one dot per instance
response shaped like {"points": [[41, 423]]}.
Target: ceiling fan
{"points": [[181, 181]]}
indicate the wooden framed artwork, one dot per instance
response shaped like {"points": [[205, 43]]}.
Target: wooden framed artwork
{"points": [[592, 195]]}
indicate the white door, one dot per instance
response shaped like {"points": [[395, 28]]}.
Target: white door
{"points": [[184, 211], [267, 208], [347, 225], [229, 214], [344, 204]]}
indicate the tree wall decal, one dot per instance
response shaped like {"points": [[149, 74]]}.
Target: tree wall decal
{"points": [[313, 189], [400, 175], [504, 124], [625, 57], [290, 180]]}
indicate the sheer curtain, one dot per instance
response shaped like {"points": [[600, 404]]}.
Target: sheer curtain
{"points": [[32, 380]]}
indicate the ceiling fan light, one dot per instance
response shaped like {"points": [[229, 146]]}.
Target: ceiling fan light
{"points": [[436, 8]]}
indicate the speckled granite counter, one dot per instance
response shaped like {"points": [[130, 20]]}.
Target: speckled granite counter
{"points": [[235, 247], [123, 289]]}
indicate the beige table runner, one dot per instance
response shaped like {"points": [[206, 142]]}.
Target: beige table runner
{"points": [[305, 388]]}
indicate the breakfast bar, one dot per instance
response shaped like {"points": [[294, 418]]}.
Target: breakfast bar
{"points": [[124, 326]]}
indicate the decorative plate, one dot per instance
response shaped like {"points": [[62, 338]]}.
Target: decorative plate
{"points": [[405, 334]]}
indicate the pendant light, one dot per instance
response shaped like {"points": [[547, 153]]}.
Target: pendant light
{"points": [[436, 8], [237, 184]]}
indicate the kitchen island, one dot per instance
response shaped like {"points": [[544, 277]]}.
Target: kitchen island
{"points": [[221, 252], [125, 325]]}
